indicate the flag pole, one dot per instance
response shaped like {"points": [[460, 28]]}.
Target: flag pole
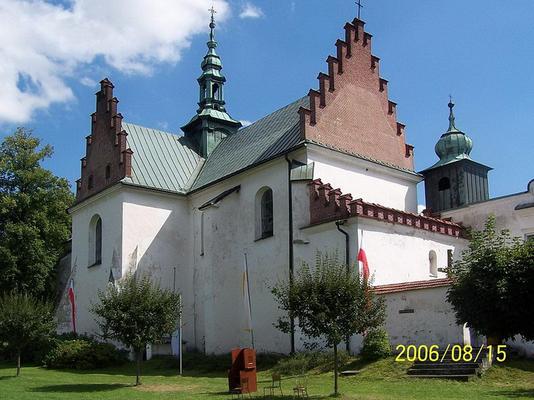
{"points": [[179, 319], [180, 345], [249, 302]]}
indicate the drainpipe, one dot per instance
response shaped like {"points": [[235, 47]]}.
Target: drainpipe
{"points": [[347, 259], [290, 243], [347, 239]]}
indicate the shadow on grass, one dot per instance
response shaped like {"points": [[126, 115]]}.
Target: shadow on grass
{"points": [[522, 364], [81, 388], [267, 397], [517, 394], [357, 364]]}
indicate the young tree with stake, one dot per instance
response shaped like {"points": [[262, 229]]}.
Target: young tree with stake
{"points": [[329, 302], [136, 312]]}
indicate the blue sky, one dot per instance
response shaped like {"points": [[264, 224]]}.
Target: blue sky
{"points": [[479, 51]]}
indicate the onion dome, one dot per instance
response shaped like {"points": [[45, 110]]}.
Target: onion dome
{"points": [[454, 144]]}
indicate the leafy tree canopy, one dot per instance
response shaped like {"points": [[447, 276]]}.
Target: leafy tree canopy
{"points": [[493, 280], [137, 312], [34, 223], [23, 321], [329, 302]]}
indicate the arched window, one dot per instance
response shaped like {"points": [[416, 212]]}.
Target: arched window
{"points": [[264, 213], [444, 184], [215, 91], [95, 241], [433, 263]]}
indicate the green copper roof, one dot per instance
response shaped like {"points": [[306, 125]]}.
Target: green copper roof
{"points": [[264, 139], [454, 145], [160, 159]]}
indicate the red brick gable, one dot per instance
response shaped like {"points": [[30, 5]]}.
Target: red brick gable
{"points": [[351, 110], [107, 159]]}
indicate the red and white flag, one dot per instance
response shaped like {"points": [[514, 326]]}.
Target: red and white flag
{"points": [[363, 264], [72, 300]]}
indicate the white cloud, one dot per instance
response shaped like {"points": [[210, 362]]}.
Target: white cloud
{"points": [[420, 208], [86, 81], [42, 44], [249, 10]]}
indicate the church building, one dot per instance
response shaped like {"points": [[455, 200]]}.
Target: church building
{"points": [[332, 171]]}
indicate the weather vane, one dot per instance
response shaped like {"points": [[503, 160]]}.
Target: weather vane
{"points": [[359, 4]]}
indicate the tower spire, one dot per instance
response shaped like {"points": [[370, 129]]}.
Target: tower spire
{"points": [[211, 123]]}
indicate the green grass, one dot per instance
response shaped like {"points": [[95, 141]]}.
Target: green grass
{"points": [[376, 381]]}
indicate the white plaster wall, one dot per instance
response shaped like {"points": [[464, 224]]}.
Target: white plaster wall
{"points": [[229, 232], [157, 241], [519, 222], [363, 179], [396, 253], [432, 322], [88, 280]]}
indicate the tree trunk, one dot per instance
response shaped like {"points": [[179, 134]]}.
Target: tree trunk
{"points": [[139, 357], [335, 370], [18, 363]]}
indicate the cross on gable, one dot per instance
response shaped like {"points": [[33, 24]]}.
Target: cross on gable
{"points": [[360, 6]]}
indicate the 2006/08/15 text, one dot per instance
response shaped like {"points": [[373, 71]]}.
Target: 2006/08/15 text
{"points": [[456, 353]]}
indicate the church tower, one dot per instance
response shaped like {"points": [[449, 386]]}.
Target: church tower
{"points": [[455, 180], [211, 124]]}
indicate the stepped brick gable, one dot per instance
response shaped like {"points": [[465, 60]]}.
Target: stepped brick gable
{"points": [[351, 110], [107, 157], [327, 204]]}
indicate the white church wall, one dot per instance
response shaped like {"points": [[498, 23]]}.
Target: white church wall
{"points": [[89, 279], [157, 243], [519, 222], [422, 317], [396, 253], [229, 232], [364, 179]]}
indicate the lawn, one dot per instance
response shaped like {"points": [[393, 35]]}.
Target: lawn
{"points": [[380, 380]]}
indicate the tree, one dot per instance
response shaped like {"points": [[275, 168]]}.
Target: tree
{"points": [[492, 284], [329, 302], [137, 312], [520, 284], [23, 321], [34, 223]]}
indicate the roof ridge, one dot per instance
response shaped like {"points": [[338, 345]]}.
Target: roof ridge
{"points": [[272, 113], [154, 129]]}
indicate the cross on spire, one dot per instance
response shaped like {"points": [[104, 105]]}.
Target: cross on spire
{"points": [[212, 23], [360, 6]]}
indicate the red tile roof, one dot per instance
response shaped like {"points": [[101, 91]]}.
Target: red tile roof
{"points": [[416, 285]]}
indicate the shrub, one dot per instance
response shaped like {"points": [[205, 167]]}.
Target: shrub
{"points": [[376, 344], [83, 353]]}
